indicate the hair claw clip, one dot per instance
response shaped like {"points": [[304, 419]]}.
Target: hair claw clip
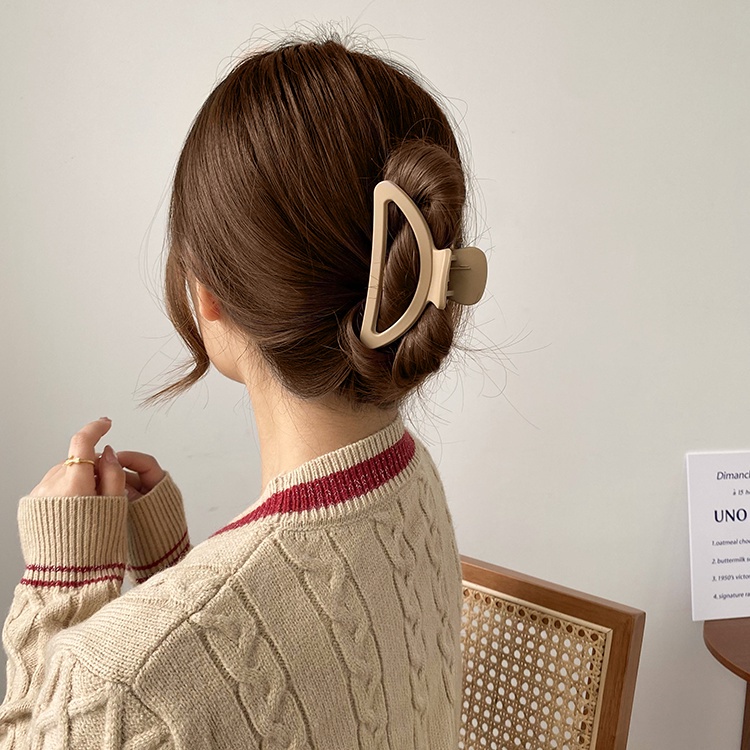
{"points": [[465, 268]]}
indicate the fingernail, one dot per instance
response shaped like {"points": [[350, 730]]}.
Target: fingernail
{"points": [[110, 455], [106, 418]]}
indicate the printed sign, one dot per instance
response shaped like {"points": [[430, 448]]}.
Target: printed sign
{"points": [[719, 505]]}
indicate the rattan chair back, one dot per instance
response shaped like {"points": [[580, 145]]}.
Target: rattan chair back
{"points": [[545, 667]]}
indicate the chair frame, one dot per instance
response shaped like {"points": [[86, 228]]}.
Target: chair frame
{"points": [[627, 625]]}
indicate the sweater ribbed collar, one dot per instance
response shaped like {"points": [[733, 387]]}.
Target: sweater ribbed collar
{"points": [[334, 484]]}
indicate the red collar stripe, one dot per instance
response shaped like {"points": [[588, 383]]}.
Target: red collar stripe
{"points": [[337, 487]]}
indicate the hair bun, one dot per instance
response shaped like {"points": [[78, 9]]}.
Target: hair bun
{"points": [[435, 182]]}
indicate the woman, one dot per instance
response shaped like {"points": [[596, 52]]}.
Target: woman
{"points": [[327, 615]]}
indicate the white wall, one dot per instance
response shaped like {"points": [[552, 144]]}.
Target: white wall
{"points": [[611, 146]]}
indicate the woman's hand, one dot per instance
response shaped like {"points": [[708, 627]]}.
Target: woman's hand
{"points": [[105, 477], [145, 475]]}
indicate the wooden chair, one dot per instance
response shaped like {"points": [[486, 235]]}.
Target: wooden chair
{"points": [[544, 666]]}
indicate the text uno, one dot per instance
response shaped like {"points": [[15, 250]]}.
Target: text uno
{"points": [[735, 514]]}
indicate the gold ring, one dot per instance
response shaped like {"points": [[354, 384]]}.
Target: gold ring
{"points": [[76, 460]]}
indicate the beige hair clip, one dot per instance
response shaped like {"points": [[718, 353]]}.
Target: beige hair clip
{"points": [[465, 269]]}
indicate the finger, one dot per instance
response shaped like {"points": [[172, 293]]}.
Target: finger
{"points": [[147, 467], [133, 483], [132, 494], [82, 444], [111, 474], [80, 478], [131, 478]]}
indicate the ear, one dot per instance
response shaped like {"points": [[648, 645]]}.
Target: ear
{"points": [[208, 306]]}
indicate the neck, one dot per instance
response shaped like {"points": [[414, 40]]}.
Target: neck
{"points": [[292, 431]]}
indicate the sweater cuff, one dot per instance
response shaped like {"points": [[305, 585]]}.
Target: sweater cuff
{"points": [[157, 530], [72, 541]]}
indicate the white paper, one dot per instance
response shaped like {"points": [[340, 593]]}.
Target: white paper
{"points": [[719, 506]]}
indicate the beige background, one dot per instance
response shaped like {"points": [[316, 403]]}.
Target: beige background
{"points": [[610, 146]]}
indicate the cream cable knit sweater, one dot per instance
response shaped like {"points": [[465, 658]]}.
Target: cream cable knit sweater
{"points": [[326, 617]]}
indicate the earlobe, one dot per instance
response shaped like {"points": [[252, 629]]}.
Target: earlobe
{"points": [[208, 305]]}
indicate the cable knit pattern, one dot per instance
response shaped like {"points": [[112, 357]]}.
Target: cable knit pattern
{"points": [[327, 617], [393, 533], [446, 640], [328, 583], [240, 650]]}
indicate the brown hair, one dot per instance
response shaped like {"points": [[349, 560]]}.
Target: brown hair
{"points": [[272, 210]]}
